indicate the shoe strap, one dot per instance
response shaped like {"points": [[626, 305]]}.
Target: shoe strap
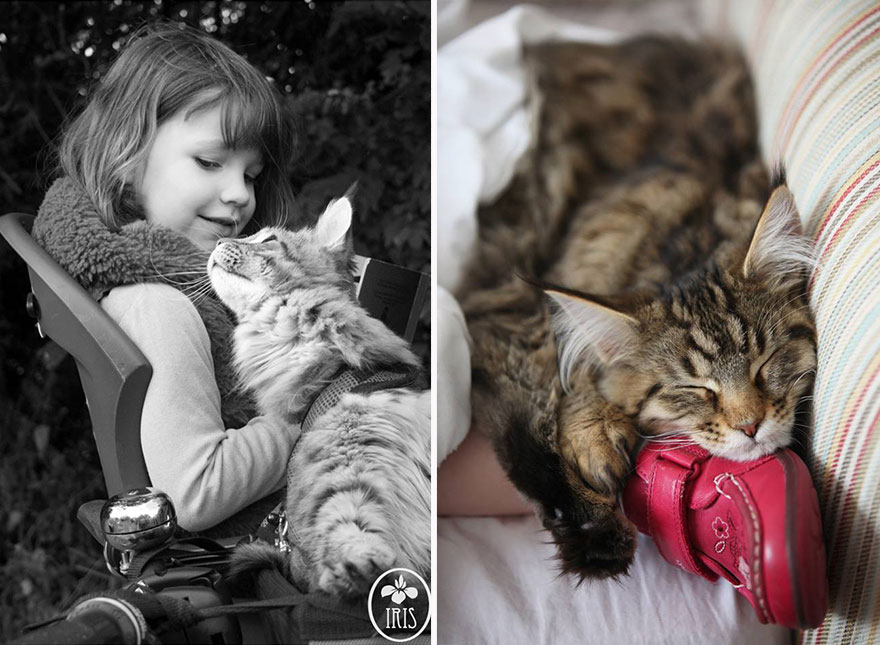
{"points": [[668, 508]]}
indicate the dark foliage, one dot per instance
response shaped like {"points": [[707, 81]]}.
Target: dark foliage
{"points": [[357, 77]]}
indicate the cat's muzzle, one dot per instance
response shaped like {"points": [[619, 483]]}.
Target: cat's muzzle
{"points": [[227, 255]]}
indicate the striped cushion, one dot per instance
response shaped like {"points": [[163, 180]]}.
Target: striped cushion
{"points": [[817, 70]]}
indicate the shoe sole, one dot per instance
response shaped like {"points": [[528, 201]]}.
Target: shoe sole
{"points": [[809, 586]]}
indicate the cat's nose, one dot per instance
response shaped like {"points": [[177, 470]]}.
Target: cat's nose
{"points": [[227, 254], [750, 429]]}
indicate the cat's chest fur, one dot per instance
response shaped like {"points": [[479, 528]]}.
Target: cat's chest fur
{"points": [[287, 347]]}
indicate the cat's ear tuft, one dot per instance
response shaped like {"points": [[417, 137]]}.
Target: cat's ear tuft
{"points": [[333, 225], [588, 332], [778, 247]]}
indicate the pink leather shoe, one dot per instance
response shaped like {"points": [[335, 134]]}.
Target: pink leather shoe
{"points": [[755, 524]]}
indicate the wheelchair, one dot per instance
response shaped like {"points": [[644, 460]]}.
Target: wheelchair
{"points": [[176, 588]]}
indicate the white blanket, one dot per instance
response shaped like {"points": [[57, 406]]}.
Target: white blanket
{"points": [[482, 130], [496, 578], [497, 583]]}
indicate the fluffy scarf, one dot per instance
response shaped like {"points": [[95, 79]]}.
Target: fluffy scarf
{"points": [[68, 227]]}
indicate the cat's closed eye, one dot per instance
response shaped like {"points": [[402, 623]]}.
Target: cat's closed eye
{"points": [[270, 238], [760, 373], [705, 393]]}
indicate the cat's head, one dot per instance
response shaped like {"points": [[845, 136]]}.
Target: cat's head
{"points": [[723, 356], [275, 261]]}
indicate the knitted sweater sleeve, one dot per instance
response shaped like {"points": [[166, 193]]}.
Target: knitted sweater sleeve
{"points": [[210, 472]]}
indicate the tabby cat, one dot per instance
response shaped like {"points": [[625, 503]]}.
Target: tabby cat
{"points": [[672, 279], [358, 498]]}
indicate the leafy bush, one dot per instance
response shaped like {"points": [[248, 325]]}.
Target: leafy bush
{"points": [[357, 77]]}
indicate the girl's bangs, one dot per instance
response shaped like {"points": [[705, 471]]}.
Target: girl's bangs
{"points": [[247, 122]]}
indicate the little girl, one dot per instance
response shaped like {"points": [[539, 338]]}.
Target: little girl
{"points": [[182, 143]]}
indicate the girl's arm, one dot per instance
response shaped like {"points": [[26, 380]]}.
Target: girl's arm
{"points": [[210, 472], [470, 481]]}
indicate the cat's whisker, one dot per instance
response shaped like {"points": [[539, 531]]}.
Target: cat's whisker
{"points": [[799, 378], [201, 278], [774, 311], [672, 433], [672, 442], [784, 319], [193, 287], [196, 273], [199, 293], [197, 281], [181, 281], [197, 297], [806, 399]]}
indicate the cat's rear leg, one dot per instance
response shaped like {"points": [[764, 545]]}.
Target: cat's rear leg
{"points": [[353, 540], [352, 561]]}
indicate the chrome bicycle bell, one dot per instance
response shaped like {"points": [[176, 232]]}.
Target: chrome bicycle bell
{"points": [[137, 520]]}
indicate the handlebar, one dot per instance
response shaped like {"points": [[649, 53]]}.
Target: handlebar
{"points": [[97, 621]]}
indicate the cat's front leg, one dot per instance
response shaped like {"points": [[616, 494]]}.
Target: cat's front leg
{"points": [[597, 439]]}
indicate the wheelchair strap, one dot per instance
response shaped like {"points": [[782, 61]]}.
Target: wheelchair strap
{"points": [[209, 553]]}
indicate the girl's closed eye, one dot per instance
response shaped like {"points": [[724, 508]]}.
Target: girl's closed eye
{"points": [[207, 164]]}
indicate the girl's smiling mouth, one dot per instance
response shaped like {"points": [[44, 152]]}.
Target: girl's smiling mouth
{"points": [[227, 227]]}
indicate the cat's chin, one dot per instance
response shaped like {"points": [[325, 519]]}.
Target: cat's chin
{"points": [[741, 448], [741, 451], [736, 447], [236, 291]]}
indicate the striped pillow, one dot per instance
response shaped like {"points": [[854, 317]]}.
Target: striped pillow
{"points": [[817, 70]]}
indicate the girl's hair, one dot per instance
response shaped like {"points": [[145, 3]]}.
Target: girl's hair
{"points": [[163, 69]]}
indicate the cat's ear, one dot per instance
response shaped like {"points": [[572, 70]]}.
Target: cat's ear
{"points": [[589, 331], [332, 228], [778, 248]]}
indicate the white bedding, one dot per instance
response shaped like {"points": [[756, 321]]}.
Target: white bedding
{"points": [[497, 583], [496, 577]]}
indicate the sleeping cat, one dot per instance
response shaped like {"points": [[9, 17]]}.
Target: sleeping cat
{"points": [[358, 498], [672, 279]]}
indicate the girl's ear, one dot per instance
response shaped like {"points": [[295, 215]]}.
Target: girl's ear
{"points": [[589, 331], [334, 224], [778, 247]]}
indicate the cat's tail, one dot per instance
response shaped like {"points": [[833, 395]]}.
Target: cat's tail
{"points": [[248, 560], [593, 539]]}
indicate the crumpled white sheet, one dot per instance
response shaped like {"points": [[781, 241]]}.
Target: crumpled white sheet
{"points": [[496, 578], [497, 582], [482, 129]]}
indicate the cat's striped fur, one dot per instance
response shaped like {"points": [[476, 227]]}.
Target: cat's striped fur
{"points": [[358, 499], [674, 305]]}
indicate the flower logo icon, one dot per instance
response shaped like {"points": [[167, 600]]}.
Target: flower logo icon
{"points": [[399, 591], [720, 528], [400, 611]]}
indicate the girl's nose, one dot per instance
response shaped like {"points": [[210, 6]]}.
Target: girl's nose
{"points": [[235, 191]]}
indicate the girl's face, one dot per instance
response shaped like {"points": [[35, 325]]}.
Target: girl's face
{"points": [[194, 184]]}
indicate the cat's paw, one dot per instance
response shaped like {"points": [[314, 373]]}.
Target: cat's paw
{"points": [[595, 549], [599, 446], [350, 569]]}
